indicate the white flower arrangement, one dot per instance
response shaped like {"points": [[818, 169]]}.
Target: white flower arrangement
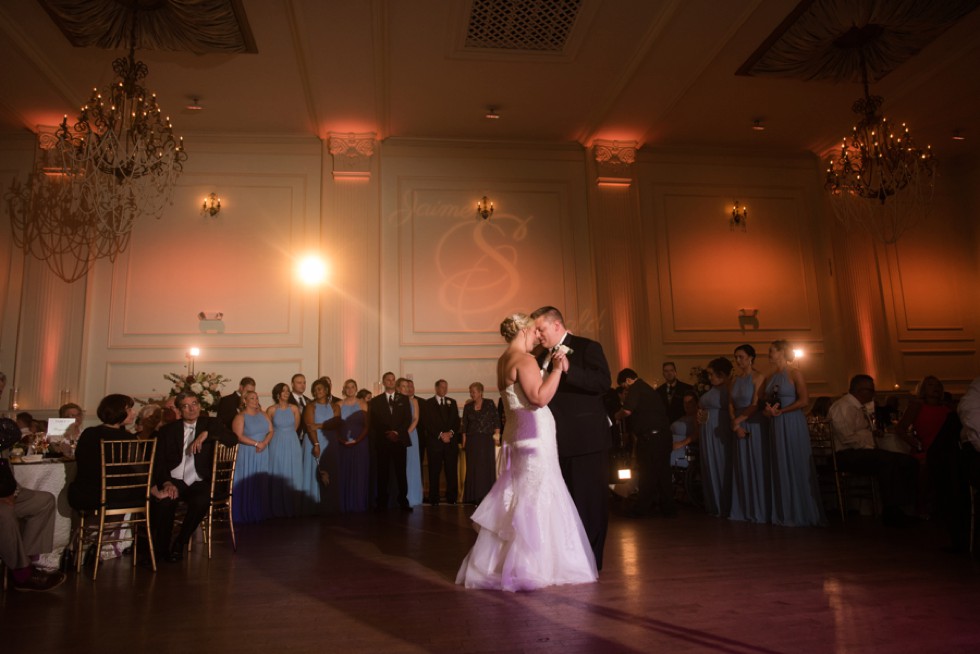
{"points": [[203, 385]]}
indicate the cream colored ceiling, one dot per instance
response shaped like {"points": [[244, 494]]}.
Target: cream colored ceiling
{"points": [[661, 72]]}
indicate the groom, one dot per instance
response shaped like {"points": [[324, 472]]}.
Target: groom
{"points": [[581, 421]]}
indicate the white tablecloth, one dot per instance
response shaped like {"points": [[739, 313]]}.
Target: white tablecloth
{"points": [[53, 477]]}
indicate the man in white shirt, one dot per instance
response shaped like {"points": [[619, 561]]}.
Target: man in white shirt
{"points": [[299, 398], [854, 441], [182, 472]]}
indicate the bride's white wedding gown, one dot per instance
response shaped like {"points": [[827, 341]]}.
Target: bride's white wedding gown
{"points": [[530, 535]]}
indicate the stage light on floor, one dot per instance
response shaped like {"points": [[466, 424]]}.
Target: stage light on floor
{"points": [[623, 474]]}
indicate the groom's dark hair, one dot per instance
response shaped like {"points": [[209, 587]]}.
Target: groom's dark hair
{"points": [[551, 313]]}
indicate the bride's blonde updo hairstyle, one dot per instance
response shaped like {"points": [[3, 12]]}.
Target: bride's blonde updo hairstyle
{"points": [[513, 324]]}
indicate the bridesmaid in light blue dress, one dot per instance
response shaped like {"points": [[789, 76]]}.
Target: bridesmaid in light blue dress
{"points": [[751, 447], [251, 489], [795, 490], [716, 440], [321, 461], [286, 464], [413, 458], [354, 455]]}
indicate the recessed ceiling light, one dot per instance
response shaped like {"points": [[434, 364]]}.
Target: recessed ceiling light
{"points": [[958, 135], [491, 113], [757, 125]]}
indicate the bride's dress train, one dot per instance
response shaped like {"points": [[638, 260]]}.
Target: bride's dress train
{"points": [[530, 534]]}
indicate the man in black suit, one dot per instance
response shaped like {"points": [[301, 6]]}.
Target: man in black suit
{"points": [[298, 397], [229, 405], [182, 472], [654, 443], [581, 421], [441, 426], [672, 392], [390, 417]]}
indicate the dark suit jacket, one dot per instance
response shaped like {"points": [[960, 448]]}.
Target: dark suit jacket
{"points": [[647, 409], [675, 407], [384, 419], [301, 427], [170, 447], [580, 415], [440, 418], [228, 407]]}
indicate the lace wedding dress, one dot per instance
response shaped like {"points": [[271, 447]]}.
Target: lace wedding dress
{"points": [[530, 535]]}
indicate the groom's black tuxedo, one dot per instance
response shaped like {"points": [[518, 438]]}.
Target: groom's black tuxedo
{"points": [[583, 434], [580, 415]]}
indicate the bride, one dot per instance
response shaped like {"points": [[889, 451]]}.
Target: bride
{"points": [[530, 534]]}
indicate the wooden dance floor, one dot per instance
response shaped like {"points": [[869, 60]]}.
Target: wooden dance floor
{"points": [[384, 583]]}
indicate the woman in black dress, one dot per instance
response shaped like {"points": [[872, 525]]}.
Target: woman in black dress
{"points": [[85, 493], [481, 430]]}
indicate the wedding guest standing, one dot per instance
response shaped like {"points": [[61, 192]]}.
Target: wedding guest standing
{"points": [[390, 417], [442, 443], [229, 405], [320, 459], [413, 462], [285, 455], [795, 490], [716, 440], [252, 466], [298, 398], [751, 474], [648, 421], [354, 468], [481, 429], [672, 391]]}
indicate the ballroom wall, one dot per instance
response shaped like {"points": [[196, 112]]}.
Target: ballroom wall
{"points": [[419, 282]]}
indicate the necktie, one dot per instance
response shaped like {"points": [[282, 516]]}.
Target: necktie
{"points": [[391, 403]]}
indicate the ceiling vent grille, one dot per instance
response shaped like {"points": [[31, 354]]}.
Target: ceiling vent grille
{"points": [[528, 25]]}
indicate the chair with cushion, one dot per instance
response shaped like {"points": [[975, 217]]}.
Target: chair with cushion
{"points": [[126, 473]]}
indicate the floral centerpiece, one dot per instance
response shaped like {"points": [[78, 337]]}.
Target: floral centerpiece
{"points": [[206, 386]]}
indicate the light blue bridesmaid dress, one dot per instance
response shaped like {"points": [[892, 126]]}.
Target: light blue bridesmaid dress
{"points": [[715, 452], [795, 490], [751, 472], [413, 466], [286, 465], [251, 489]]}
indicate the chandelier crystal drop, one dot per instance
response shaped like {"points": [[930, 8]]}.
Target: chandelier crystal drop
{"points": [[92, 180]]}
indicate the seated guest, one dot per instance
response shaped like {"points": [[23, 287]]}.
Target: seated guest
{"points": [[26, 523], [85, 493], [72, 410], [25, 422], [685, 430], [854, 442], [926, 413], [821, 406], [148, 420], [182, 472]]}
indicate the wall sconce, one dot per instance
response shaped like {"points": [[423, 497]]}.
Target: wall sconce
{"points": [[484, 208], [748, 319], [212, 205], [740, 216], [210, 315]]}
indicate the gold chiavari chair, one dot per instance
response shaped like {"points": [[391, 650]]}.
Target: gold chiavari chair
{"points": [[222, 483], [127, 467]]}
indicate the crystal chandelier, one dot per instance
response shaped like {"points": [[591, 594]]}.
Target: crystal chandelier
{"points": [[92, 180], [881, 181]]}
